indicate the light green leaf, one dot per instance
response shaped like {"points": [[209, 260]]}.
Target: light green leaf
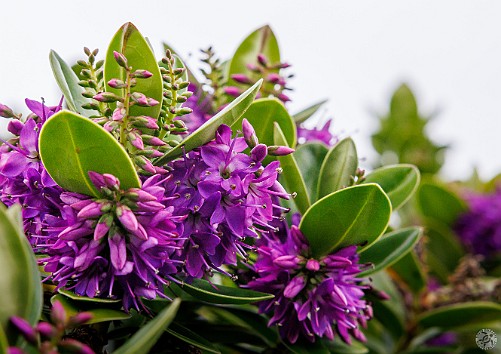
{"points": [[309, 158], [144, 339], [76, 297], [338, 168], [390, 248], [458, 315], [206, 132], [129, 41], [71, 146], [191, 337], [67, 81], [300, 117], [261, 41], [99, 314], [4, 344], [398, 181], [20, 278], [410, 271], [262, 114], [352, 216], [291, 177], [439, 203], [220, 294]]}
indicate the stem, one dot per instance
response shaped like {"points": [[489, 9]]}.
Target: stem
{"points": [[170, 116], [125, 120]]}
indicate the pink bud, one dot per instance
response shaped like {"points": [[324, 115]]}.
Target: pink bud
{"points": [[116, 84], [241, 78], [46, 329], [232, 91], [273, 78], [121, 59], [111, 181], [24, 328], [58, 313], [313, 265], [249, 133], [119, 113], [282, 97], [259, 152], [261, 58], [127, 217], [6, 111], [279, 150], [294, 287], [142, 74]]}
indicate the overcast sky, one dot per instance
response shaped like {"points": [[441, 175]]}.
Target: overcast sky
{"points": [[355, 53]]}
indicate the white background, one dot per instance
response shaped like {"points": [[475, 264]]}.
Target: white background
{"points": [[353, 52]]}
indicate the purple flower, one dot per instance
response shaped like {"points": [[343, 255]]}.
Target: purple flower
{"points": [[118, 245], [311, 296], [323, 134], [227, 196], [480, 227]]}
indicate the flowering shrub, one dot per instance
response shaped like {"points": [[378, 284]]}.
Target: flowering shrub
{"points": [[159, 213]]}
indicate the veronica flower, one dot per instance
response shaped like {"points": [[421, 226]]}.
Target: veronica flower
{"points": [[117, 245], [480, 227], [227, 196], [312, 296], [323, 134]]}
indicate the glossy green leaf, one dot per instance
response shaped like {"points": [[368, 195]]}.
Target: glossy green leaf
{"points": [[410, 271], [458, 315], [340, 347], [129, 41], [291, 177], [261, 41], [76, 297], [352, 216], [437, 202], [99, 313], [398, 181], [67, 81], [390, 248], [338, 168], [191, 337], [220, 294], [300, 117], [144, 339], [206, 132], [71, 146], [262, 114], [19, 278], [310, 157]]}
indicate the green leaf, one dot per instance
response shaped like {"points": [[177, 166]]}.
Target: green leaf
{"points": [[338, 168], [4, 344], [76, 297], [19, 278], [220, 294], [291, 177], [309, 158], [340, 347], [71, 146], [261, 41], [398, 181], [262, 114], [129, 41], [99, 314], [352, 216], [67, 81], [410, 271], [191, 337], [439, 203], [144, 339], [206, 132], [390, 248], [308, 112], [458, 315]]}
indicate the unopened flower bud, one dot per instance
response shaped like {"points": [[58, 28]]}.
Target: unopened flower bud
{"points": [[15, 126], [119, 113], [181, 99], [136, 140], [184, 110], [261, 58], [287, 261], [24, 328], [232, 91], [6, 111], [313, 265], [249, 133], [80, 318], [142, 100], [58, 313], [142, 74], [259, 152], [121, 59], [183, 85], [145, 122], [152, 140], [275, 150], [46, 329], [179, 124], [82, 63], [241, 78], [116, 84], [107, 97]]}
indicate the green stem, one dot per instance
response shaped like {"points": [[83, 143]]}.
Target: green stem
{"points": [[125, 120]]}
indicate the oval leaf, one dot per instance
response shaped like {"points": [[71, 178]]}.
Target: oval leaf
{"points": [[309, 158], [410, 270], [261, 41], [129, 41], [71, 146], [76, 297], [437, 202], [206, 132], [399, 182], [352, 216], [220, 294], [144, 339], [19, 278], [191, 337], [338, 168], [458, 315], [390, 248], [262, 114], [291, 177], [308, 112], [67, 81]]}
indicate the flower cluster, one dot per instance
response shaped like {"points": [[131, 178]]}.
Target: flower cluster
{"points": [[23, 178], [117, 245], [311, 295], [480, 227], [228, 195]]}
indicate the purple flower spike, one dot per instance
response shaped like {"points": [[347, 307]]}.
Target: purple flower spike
{"points": [[311, 296]]}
